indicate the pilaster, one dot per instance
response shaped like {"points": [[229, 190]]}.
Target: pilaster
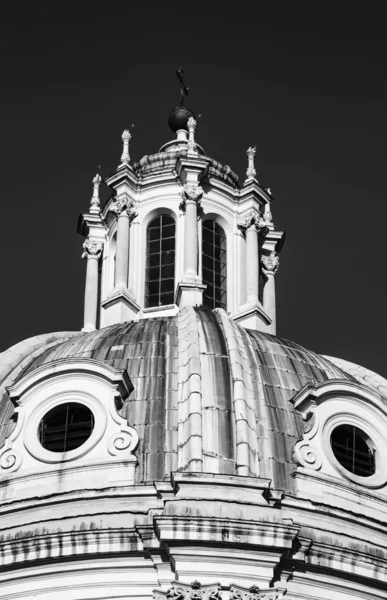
{"points": [[190, 170], [252, 314]]}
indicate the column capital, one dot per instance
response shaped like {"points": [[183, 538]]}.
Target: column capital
{"points": [[270, 264], [191, 193], [92, 249], [252, 219], [123, 206]]}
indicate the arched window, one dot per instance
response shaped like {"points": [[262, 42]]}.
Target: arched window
{"points": [[160, 262], [214, 262]]}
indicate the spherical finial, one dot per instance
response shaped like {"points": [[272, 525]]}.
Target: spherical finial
{"points": [[178, 118]]}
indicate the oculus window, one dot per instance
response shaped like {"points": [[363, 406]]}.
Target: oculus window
{"points": [[214, 265], [160, 262], [66, 427], [354, 450]]}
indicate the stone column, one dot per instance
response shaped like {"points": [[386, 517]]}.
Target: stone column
{"points": [[251, 225], [270, 266], [92, 253], [191, 198], [123, 208]]}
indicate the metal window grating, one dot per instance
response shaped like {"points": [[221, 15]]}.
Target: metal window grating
{"points": [[214, 265], [66, 427], [160, 265], [353, 452]]}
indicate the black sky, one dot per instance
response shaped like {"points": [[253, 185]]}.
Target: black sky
{"points": [[308, 88]]}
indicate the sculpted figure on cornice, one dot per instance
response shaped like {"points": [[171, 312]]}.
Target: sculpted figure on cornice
{"points": [[251, 219], [270, 264], [92, 248]]}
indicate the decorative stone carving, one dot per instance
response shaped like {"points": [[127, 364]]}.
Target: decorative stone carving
{"points": [[125, 157], [125, 441], [307, 456], [250, 152], [270, 264], [121, 205], [10, 460], [95, 202], [268, 217], [195, 591], [92, 249], [254, 593], [251, 219], [191, 193], [191, 148]]}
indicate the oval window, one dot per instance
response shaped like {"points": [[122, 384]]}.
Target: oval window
{"points": [[354, 450], [66, 427]]}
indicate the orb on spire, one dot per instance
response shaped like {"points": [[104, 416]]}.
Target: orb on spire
{"points": [[178, 117]]}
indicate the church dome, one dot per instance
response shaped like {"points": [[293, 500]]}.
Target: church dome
{"points": [[161, 355]]}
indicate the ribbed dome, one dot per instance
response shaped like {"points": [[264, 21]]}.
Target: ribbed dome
{"points": [[161, 355]]}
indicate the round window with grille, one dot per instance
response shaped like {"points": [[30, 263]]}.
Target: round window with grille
{"points": [[66, 427], [354, 450]]}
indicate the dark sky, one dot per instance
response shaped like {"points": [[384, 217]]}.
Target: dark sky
{"points": [[308, 87]]}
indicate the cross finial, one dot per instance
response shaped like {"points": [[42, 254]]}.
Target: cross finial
{"points": [[183, 88]]}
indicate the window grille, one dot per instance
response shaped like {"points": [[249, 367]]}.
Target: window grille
{"points": [[66, 427], [214, 265], [160, 264], [352, 451]]}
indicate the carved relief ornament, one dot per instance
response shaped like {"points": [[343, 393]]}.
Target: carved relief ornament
{"points": [[251, 219], [123, 205], [183, 591], [191, 193], [254, 593], [92, 248], [195, 591], [270, 264]]}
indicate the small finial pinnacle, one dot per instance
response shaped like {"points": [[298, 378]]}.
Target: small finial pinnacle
{"points": [[251, 152], [191, 148], [125, 156], [95, 202]]}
